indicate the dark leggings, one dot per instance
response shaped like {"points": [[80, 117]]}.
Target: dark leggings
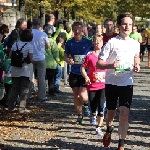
{"points": [[97, 100], [7, 91], [50, 73]]}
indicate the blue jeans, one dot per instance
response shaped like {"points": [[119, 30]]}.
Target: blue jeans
{"points": [[58, 77]]}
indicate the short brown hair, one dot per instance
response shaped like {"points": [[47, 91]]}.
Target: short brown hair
{"points": [[97, 36], [77, 23], [107, 20], [99, 25], [26, 35], [36, 22], [60, 40], [123, 15]]}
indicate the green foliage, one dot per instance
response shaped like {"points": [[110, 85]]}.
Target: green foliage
{"points": [[95, 10]]}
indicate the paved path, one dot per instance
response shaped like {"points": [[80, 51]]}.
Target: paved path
{"points": [[51, 125]]}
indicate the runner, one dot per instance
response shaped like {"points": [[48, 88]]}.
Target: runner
{"points": [[95, 81], [75, 51], [99, 29], [122, 53], [148, 39], [109, 25], [135, 35], [143, 44]]}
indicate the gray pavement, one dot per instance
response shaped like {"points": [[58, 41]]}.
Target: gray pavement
{"points": [[51, 125]]}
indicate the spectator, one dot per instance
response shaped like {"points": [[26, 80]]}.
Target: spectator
{"points": [[52, 59], [85, 31], [4, 30], [49, 23], [21, 77], [60, 42], [91, 32], [15, 34], [40, 42]]}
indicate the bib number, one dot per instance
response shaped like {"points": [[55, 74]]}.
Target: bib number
{"points": [[123, 68], [98, 76], [78, 59]]}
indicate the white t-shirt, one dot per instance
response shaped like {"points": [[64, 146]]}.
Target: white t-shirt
{"points": [[27, 69], [38, 42], [124, 51]]}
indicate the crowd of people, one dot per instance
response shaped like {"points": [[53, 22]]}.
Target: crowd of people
{"points": [[98, 61]]}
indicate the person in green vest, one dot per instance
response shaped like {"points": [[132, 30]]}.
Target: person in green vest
{"points": [[67, 31], [52, 60]]}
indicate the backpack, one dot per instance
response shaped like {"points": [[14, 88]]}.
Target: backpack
{"points": [[17, 57]]}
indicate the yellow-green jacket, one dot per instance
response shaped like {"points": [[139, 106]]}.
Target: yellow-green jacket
{"points": [[52, 55]]}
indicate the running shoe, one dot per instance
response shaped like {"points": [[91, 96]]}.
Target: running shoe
{"points": [[80, 120], [107, 138], [93, 120], [86, 111], [99, 131]]}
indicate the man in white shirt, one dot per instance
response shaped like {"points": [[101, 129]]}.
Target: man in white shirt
{"points": [[40, 42], [122, 54]]}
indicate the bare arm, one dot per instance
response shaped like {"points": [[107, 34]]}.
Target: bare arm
{"points": [[68, 59], [136, 64], [84, 74], [31, 57], [101, 65], [140, 41], [137, 60]]}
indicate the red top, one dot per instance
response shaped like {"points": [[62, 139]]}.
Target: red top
{"points": [[107, 38]]}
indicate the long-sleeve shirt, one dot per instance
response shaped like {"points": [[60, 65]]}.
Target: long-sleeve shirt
{"points": [[52, 55]]}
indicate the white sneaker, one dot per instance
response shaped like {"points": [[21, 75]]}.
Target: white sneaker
{"points": [[93, 120], [99, 131]]}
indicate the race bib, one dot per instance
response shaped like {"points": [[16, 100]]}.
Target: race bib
{"points": [[98, 76], [123, 68], [78, 59]]}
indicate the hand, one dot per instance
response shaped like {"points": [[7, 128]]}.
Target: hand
{"points": [[116, 63], [136, 68], [87, 81], [70, 61]]}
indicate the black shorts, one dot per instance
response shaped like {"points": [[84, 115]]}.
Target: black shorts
{"points": [[113, 92], [148, 47], [142, 49], [76, 80]]}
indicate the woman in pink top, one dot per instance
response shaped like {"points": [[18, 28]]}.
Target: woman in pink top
{"points": [[95, 81]]}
